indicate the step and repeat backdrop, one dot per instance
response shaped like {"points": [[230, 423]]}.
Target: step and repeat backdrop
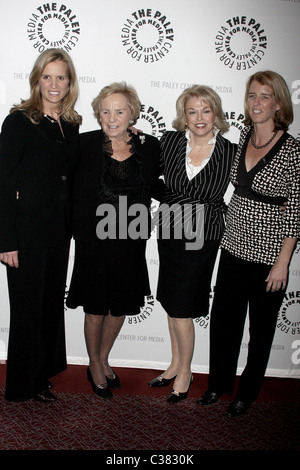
{"points": [[160, 47]]}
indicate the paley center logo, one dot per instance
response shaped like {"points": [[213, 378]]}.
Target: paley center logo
{"points": [[154, 121], [235, 119], [147, 35], [241, 43], [53, 25], [288, 321]]}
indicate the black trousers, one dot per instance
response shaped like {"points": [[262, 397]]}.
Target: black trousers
{"points": [[36, 348], [241, 286]]}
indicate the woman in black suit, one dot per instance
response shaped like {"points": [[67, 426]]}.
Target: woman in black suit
{"points": [[116, 177], [38, 156], [196, 164]]}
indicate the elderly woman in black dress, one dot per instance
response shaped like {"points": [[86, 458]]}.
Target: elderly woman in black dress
{"points": [[196, 161], [258, 242], [118, 173]]}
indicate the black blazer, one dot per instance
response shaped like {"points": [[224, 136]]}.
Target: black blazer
{"points": [[207, 187], [89, 174], [36, 171]]}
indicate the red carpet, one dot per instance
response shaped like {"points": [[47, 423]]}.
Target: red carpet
{"points": [[139, 419]]}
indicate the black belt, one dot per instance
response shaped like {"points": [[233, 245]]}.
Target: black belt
{"points": [[248, 193]]}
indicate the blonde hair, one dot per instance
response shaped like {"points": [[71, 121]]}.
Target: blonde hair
{"points": [[285, 115], [119, 87], [33, 105], [203, 93]]}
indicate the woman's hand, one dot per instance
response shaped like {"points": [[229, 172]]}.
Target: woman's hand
{"points": [[135, 131], [10, 258], [277, 277]]}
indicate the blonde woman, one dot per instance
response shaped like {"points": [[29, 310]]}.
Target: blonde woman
{"points": [[196, 161], [38, 156]]}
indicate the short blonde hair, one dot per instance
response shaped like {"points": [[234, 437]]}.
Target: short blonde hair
{"points": [[119, 87], [209, 96], [285, 115], [33, 106]]}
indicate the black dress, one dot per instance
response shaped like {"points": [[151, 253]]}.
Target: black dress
{"points": [[110, 275]]}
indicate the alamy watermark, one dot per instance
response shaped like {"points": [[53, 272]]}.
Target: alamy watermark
{"points": [[133, 221]]}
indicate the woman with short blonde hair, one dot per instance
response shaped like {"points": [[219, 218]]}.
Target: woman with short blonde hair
{"points": [[196, 163], [203, 93]]}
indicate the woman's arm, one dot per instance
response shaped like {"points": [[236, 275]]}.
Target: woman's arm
{"points": [[12, 141]]}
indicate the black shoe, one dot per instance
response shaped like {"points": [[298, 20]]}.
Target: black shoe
{"points": [[49, 384], [160, 381], [237, 408], [113, 382], [208, 398], [175, 397], [100, 390], [45, 397]]}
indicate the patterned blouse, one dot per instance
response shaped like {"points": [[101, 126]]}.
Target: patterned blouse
{"points": [[256, 226]]}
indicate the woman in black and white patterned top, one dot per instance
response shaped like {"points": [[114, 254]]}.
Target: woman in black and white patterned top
{"points": [[258, 241]]}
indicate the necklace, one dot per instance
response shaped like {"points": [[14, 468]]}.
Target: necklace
{"points": [[262, 146], [49, 118]]}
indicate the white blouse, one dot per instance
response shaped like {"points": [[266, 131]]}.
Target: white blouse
{"points": [[193, 170]]}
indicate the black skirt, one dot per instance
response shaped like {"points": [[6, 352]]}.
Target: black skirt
{"points": [[109, 276], [184, 282]]}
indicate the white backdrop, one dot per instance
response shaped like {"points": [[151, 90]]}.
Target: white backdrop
{"points": [[160, 47]]}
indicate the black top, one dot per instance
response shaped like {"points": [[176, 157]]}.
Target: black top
{"points": [[245, 178], [91, 187], [36, 171]]}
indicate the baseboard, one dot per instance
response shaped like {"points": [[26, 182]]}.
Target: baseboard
{"points": [[197, 369]]}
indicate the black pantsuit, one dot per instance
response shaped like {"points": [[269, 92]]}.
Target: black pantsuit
{"points": [[37, 163]]}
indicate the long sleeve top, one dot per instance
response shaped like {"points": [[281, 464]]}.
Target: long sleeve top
{"points": [[36, 171], [256, 225], [208, 187]]}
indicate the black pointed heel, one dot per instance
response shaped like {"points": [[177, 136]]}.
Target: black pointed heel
{"points": [[103, 392], [175, 397], [160, 381], [113, 382]]}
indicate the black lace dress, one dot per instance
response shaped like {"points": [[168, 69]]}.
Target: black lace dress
{"points": [[110, 275]]}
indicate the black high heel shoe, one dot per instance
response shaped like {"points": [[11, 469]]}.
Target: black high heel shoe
{"points": [[113, 382], [45, 397], [103, 392], [160, 381], [175, 397]]}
